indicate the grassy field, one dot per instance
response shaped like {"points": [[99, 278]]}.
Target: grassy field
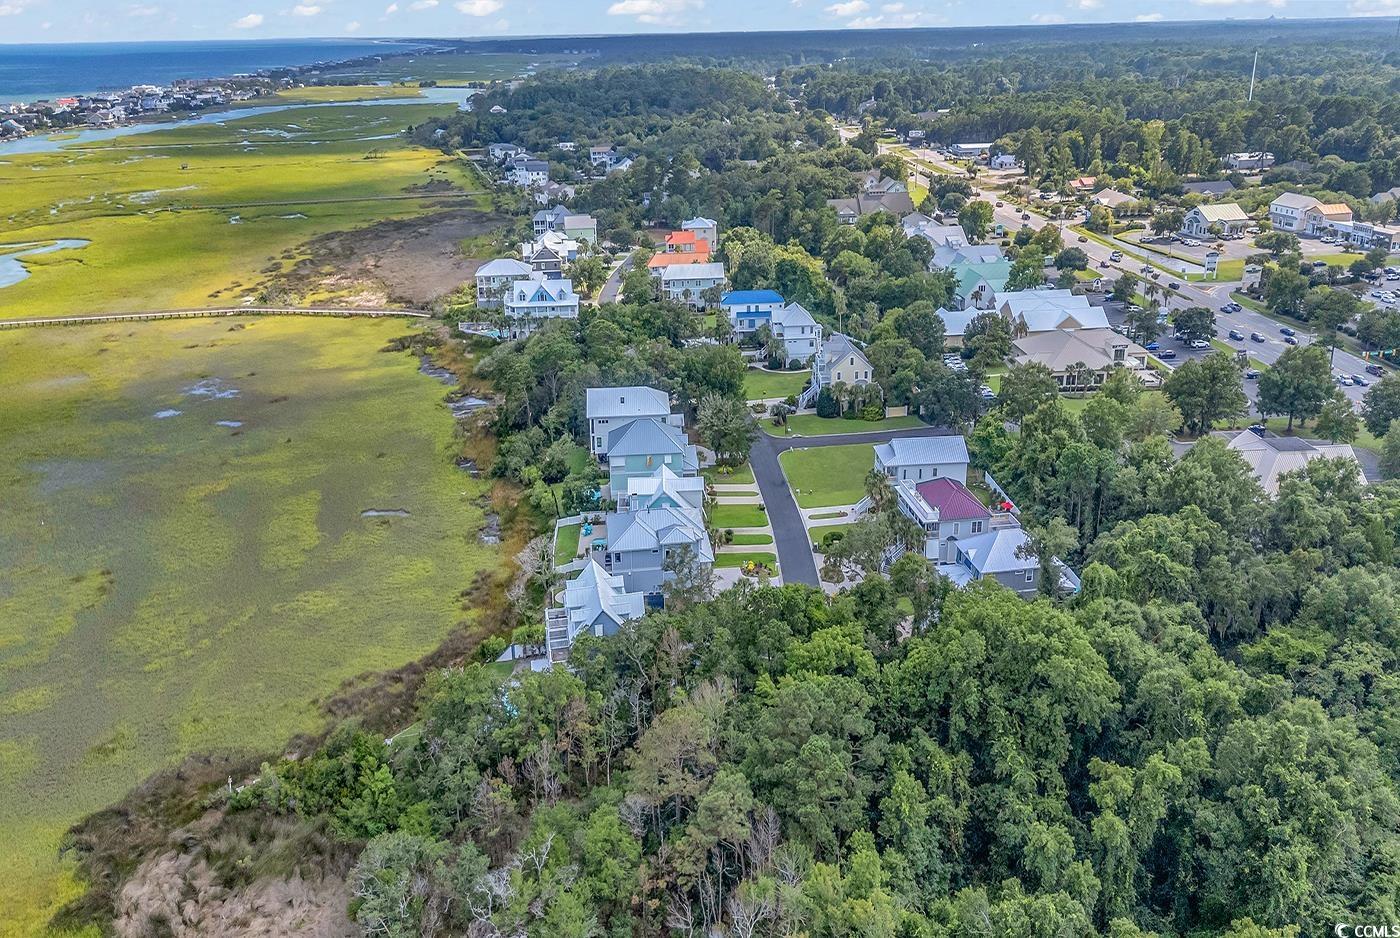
{"points": [[201, 214], [812, 425], [738, 559], [729, 475], [171, 584], [328, 94], [752, 540], [738, 516], [761, 385], [828, 475], [566, 547]]}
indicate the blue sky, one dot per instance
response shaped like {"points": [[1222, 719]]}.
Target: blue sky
{"points": [[107, 20]]}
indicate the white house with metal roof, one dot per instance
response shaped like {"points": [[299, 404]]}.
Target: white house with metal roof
{"points": [[662, 489], [493, 277], [607, 409], [687, 283], [527, 302], [1270, 456], [797, 330], [1227, 217], [596, 602], [916, 458]]}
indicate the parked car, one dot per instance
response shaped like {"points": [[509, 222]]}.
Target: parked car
{"points": [[1200, 344], [1375, 371], [1360, 382], [1237, 335], [1256, 337], [1251, 373], [1344, 380], [1252, 268], [1152, 346], [1166, 354]]}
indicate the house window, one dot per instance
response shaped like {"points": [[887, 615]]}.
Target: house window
{"points": [[957, 528], [1030, 575], [976, 527]]}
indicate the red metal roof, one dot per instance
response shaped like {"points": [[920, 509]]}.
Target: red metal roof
{"points": [[952, 499]]}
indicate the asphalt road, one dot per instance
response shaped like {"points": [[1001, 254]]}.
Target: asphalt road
{"points": [[795, 558], [608, 294]]}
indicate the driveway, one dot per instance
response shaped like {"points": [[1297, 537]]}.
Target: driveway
{"points": [[614, 283], [795, 558]]}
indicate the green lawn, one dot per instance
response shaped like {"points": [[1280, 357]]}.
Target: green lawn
{"points": [[739, 559], [812, 425], [729, 475], [761, 385], [1227, 270], [828, 475], [824, 515], [817, 533], [752, 540], [172, 585], [566, 546], [738, 516], [1075, 405]]}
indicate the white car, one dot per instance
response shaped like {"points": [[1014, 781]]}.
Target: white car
{"points": [[1252, 268], [1345, 381], [1252, 229]]}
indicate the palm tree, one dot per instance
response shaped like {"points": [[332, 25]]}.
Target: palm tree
{"points": [[878, 490], [839, 390]]}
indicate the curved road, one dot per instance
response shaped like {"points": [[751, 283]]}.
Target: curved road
{"points": [[795, 558]]}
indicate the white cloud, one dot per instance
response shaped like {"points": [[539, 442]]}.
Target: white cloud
{"points": [[1088, 4], [1232, 3], [1148, 18], [1374, 7], [892, 8], [353, 26], [306, 9], [138, 10], [391, 9], [13, 7], [251, 21], [423, 4], [1046, 19], [662, 12], [478, 7], [848, 8]]}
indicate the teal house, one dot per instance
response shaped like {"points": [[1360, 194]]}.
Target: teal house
{"points": [[641, 447]]}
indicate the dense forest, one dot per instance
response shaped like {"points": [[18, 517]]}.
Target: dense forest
{"points": [[1199, 743]]}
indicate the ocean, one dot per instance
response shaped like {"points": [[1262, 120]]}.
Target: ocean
{"points": [[31, 72]]}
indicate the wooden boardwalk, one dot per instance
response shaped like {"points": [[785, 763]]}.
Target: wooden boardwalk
{"points": [[210, 312]]}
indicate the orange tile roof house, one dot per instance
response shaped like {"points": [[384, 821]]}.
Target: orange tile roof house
{"points": [[681, 247]]}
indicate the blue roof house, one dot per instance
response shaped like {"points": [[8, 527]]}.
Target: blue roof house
{"points": [[749, 309]]}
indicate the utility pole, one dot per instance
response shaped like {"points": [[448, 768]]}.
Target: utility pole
{"points": [[1252, 72]]}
